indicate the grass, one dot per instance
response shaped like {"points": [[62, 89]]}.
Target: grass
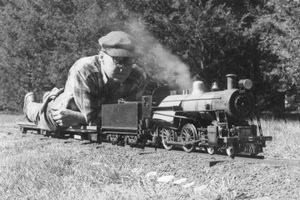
{"points": [[286, 138], [37, 167]]}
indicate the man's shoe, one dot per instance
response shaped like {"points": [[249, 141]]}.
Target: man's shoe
{"points": [[29, 97]]}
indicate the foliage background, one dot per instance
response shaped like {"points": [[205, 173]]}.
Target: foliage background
{"points": [[257, 39]]}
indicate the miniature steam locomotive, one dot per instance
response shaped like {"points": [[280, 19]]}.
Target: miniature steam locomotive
{"points": [[221, 120]]}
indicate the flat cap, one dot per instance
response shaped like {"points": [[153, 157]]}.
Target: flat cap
{"points": [[118, 44]]}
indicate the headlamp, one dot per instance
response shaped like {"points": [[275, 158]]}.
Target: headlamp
{"points": [[245, 83]]}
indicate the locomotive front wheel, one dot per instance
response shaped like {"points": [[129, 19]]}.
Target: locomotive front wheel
{"points": [[230, 151], [188, 135], [167, 135], [210, 150]]}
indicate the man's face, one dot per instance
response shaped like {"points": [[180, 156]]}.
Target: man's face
{"points": [[117, 68]]}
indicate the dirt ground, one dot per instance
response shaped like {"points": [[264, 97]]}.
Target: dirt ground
{"points": [[106, 171]]}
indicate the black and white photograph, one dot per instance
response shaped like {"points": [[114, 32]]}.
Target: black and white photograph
{"points": [[149, 100]]}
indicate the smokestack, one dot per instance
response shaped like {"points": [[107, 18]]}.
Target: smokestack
{"points": [[231, 81]]}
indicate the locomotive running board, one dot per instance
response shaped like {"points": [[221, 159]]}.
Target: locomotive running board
{"points": [[181, 143], [166, 108]]}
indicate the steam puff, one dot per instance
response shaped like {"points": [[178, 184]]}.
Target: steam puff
{"points": [[173, 69], [169, 67]]}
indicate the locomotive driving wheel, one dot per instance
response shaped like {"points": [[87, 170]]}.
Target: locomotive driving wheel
{"points": [[188, 135], [167, 135]]}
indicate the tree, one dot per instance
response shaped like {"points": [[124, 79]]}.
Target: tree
{"points": [[277, 30], [41, 39]]}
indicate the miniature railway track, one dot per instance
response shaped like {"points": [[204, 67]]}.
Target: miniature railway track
{"points": [[211, 160], [256, 160]]}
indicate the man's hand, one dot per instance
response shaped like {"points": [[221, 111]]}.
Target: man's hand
{"points": [[65, 117]]}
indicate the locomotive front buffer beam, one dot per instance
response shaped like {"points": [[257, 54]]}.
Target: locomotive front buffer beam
{"points": [[251, 139]]}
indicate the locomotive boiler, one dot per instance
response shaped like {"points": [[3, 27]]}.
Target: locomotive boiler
{"points": [[222, 120]]}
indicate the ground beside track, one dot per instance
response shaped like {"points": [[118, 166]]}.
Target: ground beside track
{"points": [[37, 167]]}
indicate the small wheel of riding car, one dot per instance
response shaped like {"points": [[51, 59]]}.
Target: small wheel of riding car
{"points": [[230, 151], [210, 150]]}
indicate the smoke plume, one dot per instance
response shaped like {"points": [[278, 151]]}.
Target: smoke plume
{"points": [[168, 67]]}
